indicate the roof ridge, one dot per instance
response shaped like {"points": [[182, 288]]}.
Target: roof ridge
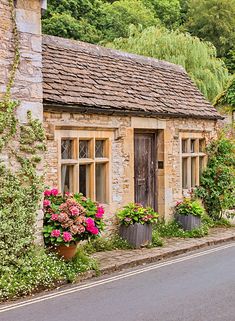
{"points": [[98, 50]]}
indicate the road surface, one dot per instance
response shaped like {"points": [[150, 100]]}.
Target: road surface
{"points": [[196, 287]]}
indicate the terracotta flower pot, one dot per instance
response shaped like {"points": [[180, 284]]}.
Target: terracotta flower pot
{"points": [[67, 252]]}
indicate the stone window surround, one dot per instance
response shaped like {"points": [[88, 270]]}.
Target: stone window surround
{"points": [[77, 135], [189, 155]]}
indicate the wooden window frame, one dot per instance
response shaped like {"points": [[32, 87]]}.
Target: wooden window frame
{"points": [[189, 155], [92, 136]]}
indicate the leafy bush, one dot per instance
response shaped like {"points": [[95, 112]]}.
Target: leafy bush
{"points": [[217, 186], [189, 207], [100, 244], [173, 229], [70, 218], [37, 270], [136, 213]]}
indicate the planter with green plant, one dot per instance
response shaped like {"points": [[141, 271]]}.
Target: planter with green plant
{"points": [[136, 224], [69, 219], [189, 213]]}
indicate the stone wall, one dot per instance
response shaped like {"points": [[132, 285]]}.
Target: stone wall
{"points": [[28, 83], [122, 170]]}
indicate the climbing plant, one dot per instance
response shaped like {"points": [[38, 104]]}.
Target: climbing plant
{"points": [[22, 146], [217, 186]]}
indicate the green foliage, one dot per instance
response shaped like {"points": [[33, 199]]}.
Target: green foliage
{"points": [[120, 14], [173, 229], [136, 213], [156, 239], [36, 270], [114, 242], [197, 57], [213, 21], [167, 11], [227, 98], [217, 186], [74, 19], [94, 20], [189, 207]]}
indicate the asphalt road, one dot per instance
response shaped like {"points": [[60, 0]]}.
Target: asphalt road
{"points": [[192, 288]]}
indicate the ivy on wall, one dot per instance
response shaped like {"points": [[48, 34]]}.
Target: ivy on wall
{"points": [[21, 184]]}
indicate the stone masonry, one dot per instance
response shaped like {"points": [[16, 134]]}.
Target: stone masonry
{"points": [[28, 83], [169, 189]]}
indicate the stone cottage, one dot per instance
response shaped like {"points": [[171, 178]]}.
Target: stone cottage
{"points": [[120, 127]]}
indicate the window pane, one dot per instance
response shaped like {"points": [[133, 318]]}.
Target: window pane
{"points": [[66, 149], [99, 148], [193, 171], [184, 173], [84, 149], [84, 180], [100, 183], [66, 178], [184, 145], [202, 145], [192, 145]]}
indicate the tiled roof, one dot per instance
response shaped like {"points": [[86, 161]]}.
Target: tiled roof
{"points": [[78, 74]]}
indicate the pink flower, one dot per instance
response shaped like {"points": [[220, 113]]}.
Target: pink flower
{"points": [[74, 210], [90, 223], [100, 212], [47, 192], [46, 203], [93, 230], [178, 203], [67, 236], [54, 192], [54, 217], [55, 233]]}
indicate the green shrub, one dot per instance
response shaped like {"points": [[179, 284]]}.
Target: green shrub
{"points": [[217, 185], [101, 244], [37, 270], [189, 207], [135, 213], [173, 229]]}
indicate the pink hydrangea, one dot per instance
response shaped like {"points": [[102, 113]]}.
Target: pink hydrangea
{"points": [[100, 212], [93, 230], [46, 203], [54, 217], [54, 192], [67, 237], [47, 192], [55, 233], [90, 223], [74, 210]]}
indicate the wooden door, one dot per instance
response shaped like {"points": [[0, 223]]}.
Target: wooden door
{"points": [[145, 161]]}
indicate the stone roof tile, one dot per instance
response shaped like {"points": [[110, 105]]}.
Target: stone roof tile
{"points": [[77, 74]]}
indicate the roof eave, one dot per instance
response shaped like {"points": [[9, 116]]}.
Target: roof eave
{"points": [[52, 106]]}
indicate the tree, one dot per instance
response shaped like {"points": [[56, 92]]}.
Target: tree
{"points": [[214, 21], [197, 57], [167, 11], [95, 20], [120, 14], [75, 19]]}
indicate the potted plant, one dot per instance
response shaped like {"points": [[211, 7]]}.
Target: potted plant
{"points": [[69, 219], [189, 213], [136, 224]]}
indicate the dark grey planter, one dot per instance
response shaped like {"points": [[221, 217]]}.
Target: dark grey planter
{"points": [[137, 234], [189, 222]]}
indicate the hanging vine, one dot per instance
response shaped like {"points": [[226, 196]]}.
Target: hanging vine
{"points": [[21, 184]]}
